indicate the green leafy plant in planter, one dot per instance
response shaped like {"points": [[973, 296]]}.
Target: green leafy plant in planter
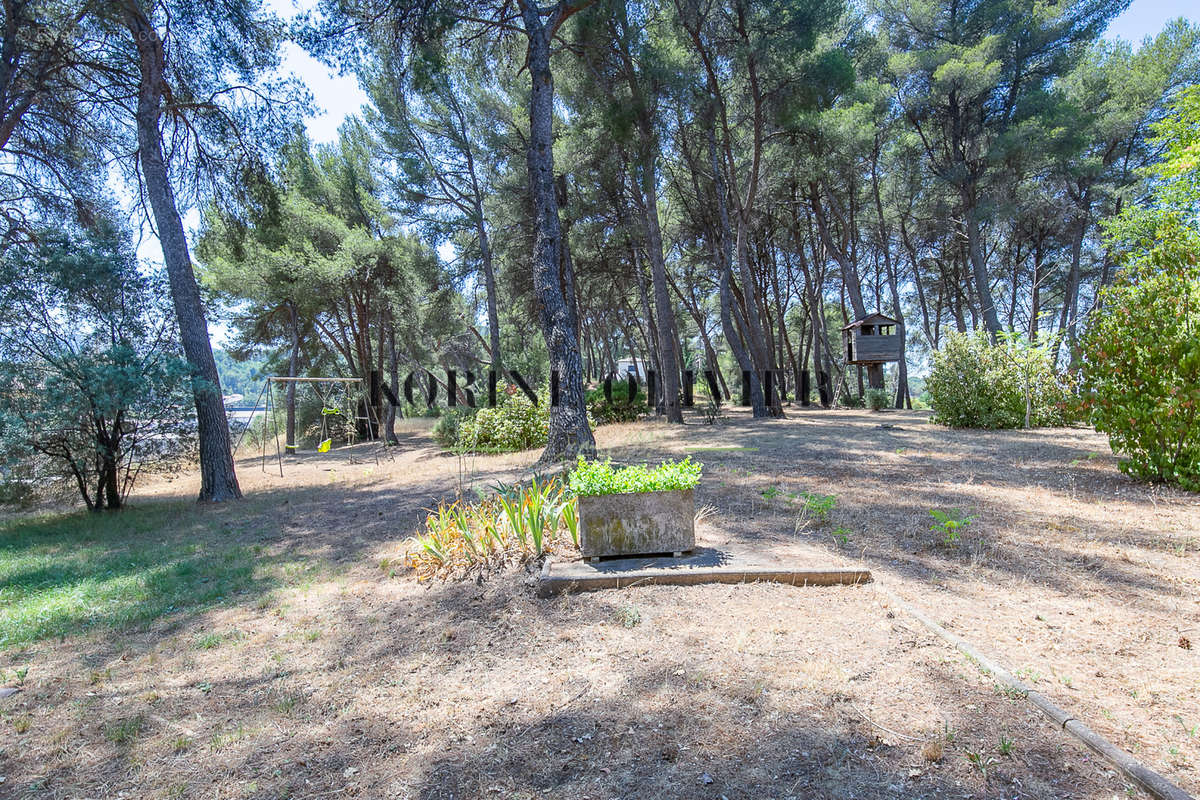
{"points": [[591, 478]]}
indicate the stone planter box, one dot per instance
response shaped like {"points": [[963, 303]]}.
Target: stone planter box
{"points": [[636, 524]]}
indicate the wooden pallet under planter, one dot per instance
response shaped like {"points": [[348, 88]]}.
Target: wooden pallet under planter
{"points": [[640, 523]]}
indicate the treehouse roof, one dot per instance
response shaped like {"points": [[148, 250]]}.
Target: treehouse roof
{"points": [[871, 319]]}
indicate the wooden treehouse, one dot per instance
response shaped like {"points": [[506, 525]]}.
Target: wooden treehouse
{"points": [[870, 342]]}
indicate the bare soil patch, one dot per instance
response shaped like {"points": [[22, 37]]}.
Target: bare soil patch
{"points": [[351, 680]]}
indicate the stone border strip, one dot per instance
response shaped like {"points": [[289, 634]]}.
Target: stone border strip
{"points": [[549, 584], [1131, 768]]}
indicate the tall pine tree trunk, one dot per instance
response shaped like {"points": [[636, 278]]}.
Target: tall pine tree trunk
{"points": [[667, 336], [489, 284], [389, 426], [983, 287], [724, 255], [569, 431], [217, 479]]}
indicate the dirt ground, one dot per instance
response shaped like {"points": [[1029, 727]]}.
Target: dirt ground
{"points": [[358, 682]]}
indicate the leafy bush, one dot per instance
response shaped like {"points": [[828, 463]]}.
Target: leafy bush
{"points": [[413, 411], [610, 413], [977, 384], [515, 424], [1141, 352], [620, 394], [448, 429], [620, 409], [878, 399], [599, 477], [1141, 368], [852, 401]]}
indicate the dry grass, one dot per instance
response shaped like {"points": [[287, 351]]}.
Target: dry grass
{"points": [[354, 681]]}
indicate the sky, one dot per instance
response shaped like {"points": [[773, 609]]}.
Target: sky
{"points": [[1147, 17], [336, 96]]}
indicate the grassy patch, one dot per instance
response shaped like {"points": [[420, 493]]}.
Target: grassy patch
{"points": [[124, 731], [65, 573], [214, 639]]}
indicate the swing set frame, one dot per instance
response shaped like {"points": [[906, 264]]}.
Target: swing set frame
{"points": [[353, 395]]}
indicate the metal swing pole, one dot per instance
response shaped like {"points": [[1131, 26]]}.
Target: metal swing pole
{"points": [[351, 418], [275, 428], [266, 410]]}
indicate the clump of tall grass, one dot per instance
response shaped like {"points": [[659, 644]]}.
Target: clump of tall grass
{"points": [[515, 525]]}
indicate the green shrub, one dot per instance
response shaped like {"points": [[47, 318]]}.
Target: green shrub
{"points": [[620, 393], [620, 409], [852, 401], [878, 399], [1141, 352], [1141, 367], [599, 477], [977, 384], [414, 411], [449, 426], [515, 424], [605, 413]]}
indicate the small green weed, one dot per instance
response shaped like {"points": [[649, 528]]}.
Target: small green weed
{"points": [[981, 762], [22, 724], [628, 616], [841, 536], [819, 506], [771, 492], [287, 703], [950, 524], [214, 639], [1005, 746], [1029, 674], [219, 741], [208, 641], [1008, 691], [124, 731]]}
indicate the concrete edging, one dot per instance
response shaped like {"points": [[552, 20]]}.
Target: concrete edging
{"points": [[549, 585], [1130, 767]]}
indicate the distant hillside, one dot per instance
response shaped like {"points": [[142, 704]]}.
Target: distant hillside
{"points": [[239, 377]]}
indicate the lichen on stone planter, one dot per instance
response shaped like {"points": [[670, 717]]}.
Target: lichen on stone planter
{"points": [[638, 523]]}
